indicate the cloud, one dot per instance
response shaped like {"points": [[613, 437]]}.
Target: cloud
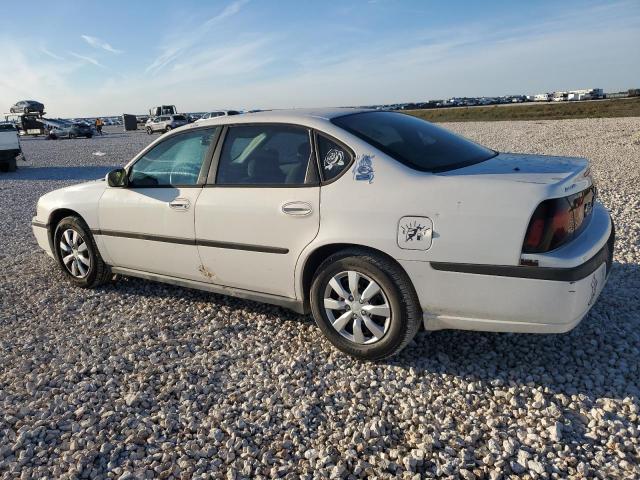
{"points": [[51, 54], [86, 59], [181, 42], [229, 11], [97, 43]]}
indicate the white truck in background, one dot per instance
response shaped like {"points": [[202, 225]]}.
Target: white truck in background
{"points": [[163, 110], [9, 147]]}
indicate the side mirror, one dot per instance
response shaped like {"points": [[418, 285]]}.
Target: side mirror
{"points": [[118, 178]]}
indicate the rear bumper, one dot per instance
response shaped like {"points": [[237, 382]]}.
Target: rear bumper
{"points": [[511, 298]]}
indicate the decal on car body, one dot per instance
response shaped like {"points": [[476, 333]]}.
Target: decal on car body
{"points": [[363, 169], [415, 233]]}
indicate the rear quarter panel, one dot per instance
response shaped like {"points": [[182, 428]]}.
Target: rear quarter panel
{"points": [[475, 219]]}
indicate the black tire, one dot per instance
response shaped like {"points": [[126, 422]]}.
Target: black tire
{"points": [[98, 272], [71, 136], [89, 135], [26, 110], [149, 131], [406, 314], [167, 128]]}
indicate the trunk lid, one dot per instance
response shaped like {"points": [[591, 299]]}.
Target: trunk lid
{"points": [[569, 173]]}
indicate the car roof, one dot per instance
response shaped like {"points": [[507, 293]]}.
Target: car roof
{"points": [[302, 116]]}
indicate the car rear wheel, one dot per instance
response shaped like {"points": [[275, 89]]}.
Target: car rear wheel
{"points": [[365, 304], [167, 128], [78, 255]]}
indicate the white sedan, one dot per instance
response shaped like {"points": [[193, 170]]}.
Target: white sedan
{"points": [[376, 222]]}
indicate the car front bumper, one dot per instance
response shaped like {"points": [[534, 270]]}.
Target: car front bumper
{"points": [[41, 232], [514, 299]]}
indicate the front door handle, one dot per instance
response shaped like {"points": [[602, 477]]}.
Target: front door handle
{"points": [[180, 204], [297, 209]]}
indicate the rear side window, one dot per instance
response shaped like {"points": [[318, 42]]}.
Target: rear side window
{"points": [[264, 155], [333, 157], [414, 142], [7, 127]]}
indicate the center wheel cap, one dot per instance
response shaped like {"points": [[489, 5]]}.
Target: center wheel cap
{"points": [[356, 307]]}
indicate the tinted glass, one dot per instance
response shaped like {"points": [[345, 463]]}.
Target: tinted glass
{"points": [[414, 142], [179, 117], [333, 158], [176, 161], [6, 127], [264, 154]]}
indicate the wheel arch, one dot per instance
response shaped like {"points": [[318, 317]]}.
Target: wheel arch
{"points": [[314, 259], [54, 219]]}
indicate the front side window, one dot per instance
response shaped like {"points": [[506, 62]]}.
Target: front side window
{"points": [[414, 142], [264, 155], [176, 161], [334, 158]]}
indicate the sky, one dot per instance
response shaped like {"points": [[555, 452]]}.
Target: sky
{"points": [[114, 57]]}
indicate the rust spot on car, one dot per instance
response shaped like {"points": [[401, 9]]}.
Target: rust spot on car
{"points": [[206, 272]]}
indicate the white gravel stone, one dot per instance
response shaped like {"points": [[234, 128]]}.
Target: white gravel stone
{"points": [[144, 380]]}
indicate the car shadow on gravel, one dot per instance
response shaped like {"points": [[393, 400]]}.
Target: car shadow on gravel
{"points": [[567, 363], [597, 363], [89, 172], [580, 362], [151, 289]]}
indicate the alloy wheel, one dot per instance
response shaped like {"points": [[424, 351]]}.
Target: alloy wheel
{"points": [[357, 307], [74, 253]]}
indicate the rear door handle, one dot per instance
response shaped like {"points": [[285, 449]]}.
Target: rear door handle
{"points": [[180, 204], [297, 209]]}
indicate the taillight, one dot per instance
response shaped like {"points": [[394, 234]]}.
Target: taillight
{"points": [[558, 220], [535, 232]]}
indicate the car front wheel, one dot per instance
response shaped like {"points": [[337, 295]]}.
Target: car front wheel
{"points": [[149, 131], [78, 255], [365, 304]]}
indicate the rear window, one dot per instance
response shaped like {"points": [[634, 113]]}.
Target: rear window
{"points": [[414, 142]]}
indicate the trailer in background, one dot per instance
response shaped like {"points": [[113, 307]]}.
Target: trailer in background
{"points": [[27, 123]]}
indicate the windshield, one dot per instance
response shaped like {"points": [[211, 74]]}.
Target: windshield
{"points": [[414, 142]]}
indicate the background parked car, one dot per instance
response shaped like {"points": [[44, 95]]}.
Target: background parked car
{"points": [[27, 106], [218, 113], [9, 146], [71, 130], [164, 123]]}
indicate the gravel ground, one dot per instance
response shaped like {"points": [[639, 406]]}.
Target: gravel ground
{"points": [[143, 380]]}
